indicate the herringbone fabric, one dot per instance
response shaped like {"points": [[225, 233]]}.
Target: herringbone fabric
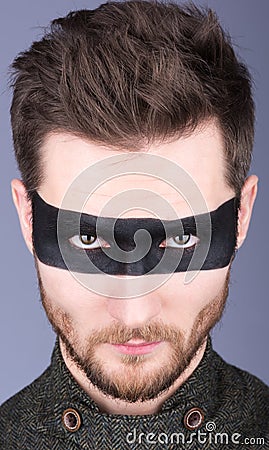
{"points": [[235, 405]]}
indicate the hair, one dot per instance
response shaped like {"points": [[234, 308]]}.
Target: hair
{"points": [[129, 74]]}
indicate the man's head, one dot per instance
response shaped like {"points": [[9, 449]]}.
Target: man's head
{"points": [[133, 77]]}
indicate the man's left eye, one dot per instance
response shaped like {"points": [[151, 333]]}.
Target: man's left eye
{"points": [[181, 241]]}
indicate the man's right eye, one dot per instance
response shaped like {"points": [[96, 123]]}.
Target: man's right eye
{"points": [[87, 241]]}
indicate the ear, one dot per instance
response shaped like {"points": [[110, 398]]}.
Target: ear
{"points": [[248, 195], [24, 210]]}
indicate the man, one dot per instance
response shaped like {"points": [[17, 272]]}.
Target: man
{"points": [[133, 132]]}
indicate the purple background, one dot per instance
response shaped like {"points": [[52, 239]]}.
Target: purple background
{"points": [[25, 334]]}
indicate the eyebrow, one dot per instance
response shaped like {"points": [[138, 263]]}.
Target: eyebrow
{"points": [[88, 221]]}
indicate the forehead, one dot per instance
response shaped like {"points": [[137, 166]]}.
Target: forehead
{"points": [[198, 157]]}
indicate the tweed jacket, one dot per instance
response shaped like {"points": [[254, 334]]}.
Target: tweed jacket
{"points": [[219, 407]]}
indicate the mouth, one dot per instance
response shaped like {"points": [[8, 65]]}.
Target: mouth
{"points": [[136, 347]]}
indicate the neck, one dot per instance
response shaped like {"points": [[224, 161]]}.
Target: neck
{"points": [[110, 405]]}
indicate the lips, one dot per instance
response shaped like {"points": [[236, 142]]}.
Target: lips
{"points": [[135, 347]]}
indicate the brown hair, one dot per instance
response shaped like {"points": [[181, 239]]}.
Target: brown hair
{"points": [[132, 73]]}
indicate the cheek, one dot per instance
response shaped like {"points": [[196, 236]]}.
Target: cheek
{"points": [[65, 292], [183, 302]]}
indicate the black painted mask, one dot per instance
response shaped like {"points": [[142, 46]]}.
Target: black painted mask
{"points": [[111, 246]]}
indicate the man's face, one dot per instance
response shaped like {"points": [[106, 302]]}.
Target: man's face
{"points": [[175, 318]]}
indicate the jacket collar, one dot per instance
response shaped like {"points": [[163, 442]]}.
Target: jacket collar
{"points": [[63, 392]]}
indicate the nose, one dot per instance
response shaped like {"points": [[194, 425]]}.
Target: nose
{"points": [[134, 312]]}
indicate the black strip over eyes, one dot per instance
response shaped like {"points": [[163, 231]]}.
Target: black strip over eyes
{"points": [[84, 232]]}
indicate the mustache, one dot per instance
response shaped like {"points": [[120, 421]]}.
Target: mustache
{"points": [[119, 334]]}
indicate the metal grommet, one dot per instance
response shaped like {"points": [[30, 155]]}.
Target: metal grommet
{"points": [[193, 418], [71, 420]]}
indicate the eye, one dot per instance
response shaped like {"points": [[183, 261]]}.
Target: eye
{"points": [[181, 241], [87, 241]]}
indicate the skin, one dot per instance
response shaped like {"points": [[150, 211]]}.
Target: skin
{"points": [[178, 315]]}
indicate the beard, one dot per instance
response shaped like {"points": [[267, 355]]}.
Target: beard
{"points": [[137, 377]]}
